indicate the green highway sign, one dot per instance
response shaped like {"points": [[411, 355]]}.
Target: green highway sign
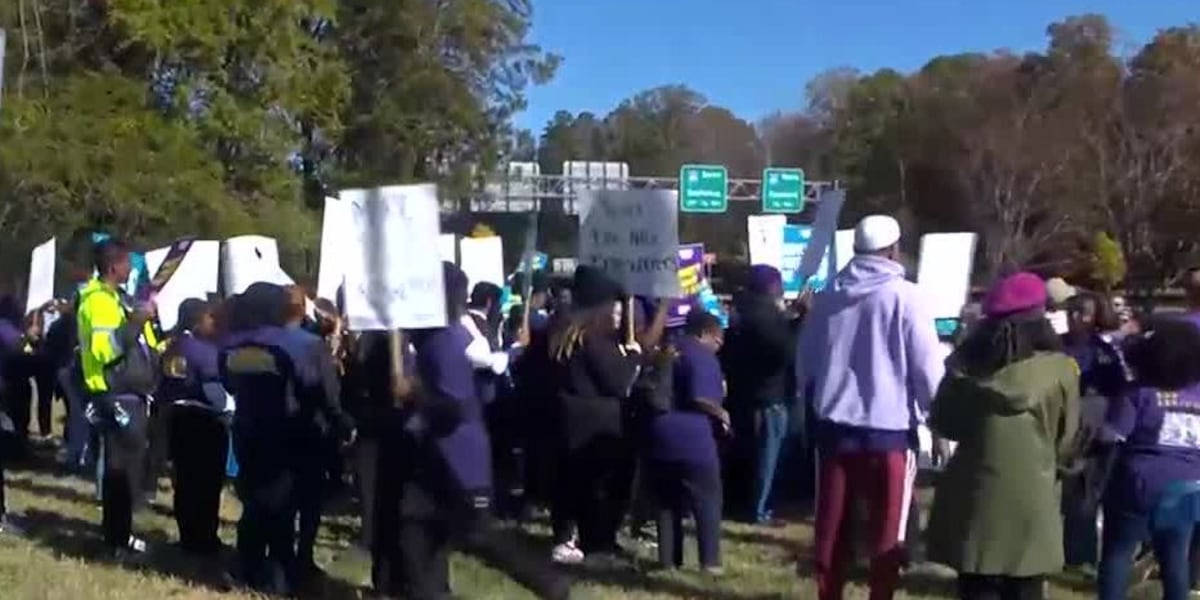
{"points": [[703, 189], [782, 190]]}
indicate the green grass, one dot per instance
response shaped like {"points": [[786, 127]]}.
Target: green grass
{"points": [[61, 558]]}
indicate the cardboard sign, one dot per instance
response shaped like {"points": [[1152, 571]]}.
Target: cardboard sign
{"points": [[250, 259], [633, 236], [335, 229], [393, 280]]}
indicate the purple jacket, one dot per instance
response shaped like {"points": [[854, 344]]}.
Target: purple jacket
{"points": [[868, 350]]}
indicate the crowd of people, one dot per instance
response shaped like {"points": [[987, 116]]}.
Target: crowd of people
{"points": [[1076, 448]]}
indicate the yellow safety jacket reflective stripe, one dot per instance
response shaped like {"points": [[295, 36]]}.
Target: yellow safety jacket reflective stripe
{"points": [[101, 315]]}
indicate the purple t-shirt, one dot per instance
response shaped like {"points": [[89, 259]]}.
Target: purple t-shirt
{"points": [[684, 434], [1162, 445]]}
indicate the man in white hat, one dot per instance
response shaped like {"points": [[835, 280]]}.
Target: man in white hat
{"points": [[869, 362]]}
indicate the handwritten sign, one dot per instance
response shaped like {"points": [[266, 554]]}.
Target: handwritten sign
{"points": [[41, 276], [393, 280], [633, 236]]}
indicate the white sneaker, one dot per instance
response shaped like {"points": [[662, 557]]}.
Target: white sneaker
{"points": [[137, 545], [567, 554]]}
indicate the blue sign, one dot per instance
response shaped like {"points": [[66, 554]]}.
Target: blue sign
{"points": [[795, 240]]}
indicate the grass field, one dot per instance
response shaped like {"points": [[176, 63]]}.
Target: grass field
{"points": [[60, 558]]}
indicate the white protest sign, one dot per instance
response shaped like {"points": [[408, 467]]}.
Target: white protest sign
{"points": [[250, 259], [482, 259], [197, 277], [41, 275], [765, 239], [335, 233], [843, 249], [448, 247], [394, 281], [944, 271], [823, 228], [633, 236]]}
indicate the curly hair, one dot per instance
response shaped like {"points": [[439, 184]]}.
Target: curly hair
{"points": [[1167, 355], [995, 343]]}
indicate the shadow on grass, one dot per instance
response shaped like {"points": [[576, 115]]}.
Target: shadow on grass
{"points": [[74, 538], [58, 492], [631, 576]]}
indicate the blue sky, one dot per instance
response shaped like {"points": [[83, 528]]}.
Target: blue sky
{"points": [[755, 56]]}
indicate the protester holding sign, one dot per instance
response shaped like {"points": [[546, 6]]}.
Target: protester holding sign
{"points": [[593, 371]]}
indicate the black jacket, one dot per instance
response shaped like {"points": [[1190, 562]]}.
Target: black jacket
{"points": [[759, 352]]}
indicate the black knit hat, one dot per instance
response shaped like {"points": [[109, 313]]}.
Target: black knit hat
{"points": [[592, 288]]}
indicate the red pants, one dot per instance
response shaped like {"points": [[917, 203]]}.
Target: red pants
{"points": [[883, 481]]}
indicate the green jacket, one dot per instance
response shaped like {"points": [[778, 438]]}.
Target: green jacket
{"points": [[996, 506]]}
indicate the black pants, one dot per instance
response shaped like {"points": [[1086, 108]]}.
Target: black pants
{"points": [[310, 500], [682, 489], [418, 519], [598, 478], [199, 450], [266, 485], [124, 456], [46, 376], [19, 399], [999, 587]]}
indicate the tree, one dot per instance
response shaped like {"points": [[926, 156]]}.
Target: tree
{"points": [[434, 86]]}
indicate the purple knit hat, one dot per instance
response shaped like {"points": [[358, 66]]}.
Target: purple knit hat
{"points": [[765, 279], [1017, 293]]}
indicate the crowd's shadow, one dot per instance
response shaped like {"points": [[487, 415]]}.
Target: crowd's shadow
{"points": [[77, 539]]}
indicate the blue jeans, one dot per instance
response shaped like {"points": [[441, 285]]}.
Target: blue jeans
{"points": [[772, 428], [1123, 533]]}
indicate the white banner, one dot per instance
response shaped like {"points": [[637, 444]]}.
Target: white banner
{"points": [[250, 259], [394, 281], [633, 236], [197, 277], [41, 275], [944, 271], [482, 259]]}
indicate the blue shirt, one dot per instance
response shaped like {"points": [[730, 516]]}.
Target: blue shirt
{"points": [[685, 434]]}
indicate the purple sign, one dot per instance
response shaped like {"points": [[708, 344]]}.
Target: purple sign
{"points": [[692, 279]]}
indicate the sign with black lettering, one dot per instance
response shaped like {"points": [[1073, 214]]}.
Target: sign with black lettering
{"points": [[633, 236]]}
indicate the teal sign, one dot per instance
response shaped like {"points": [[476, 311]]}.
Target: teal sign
{"points": [[782, 190], [703, 189]]}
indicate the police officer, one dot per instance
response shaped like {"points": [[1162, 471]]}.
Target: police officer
{"points": [[440, 463], [198, 412], [117, 347], [276, 379]]}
